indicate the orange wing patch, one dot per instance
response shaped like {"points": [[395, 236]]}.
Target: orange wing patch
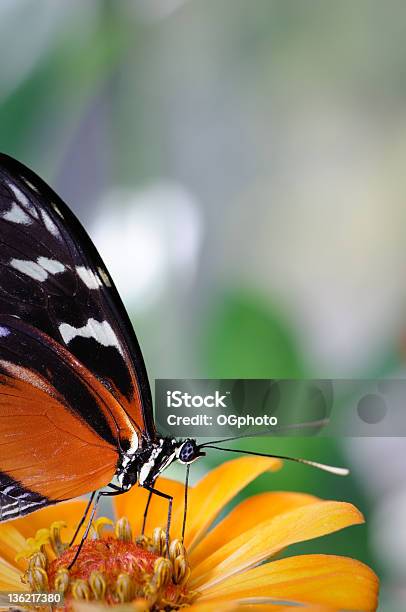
{"points": [[45, 446]]}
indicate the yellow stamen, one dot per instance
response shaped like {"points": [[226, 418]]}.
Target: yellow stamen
{"points": [[98, 585], [176, 548], [37, 560], [123, 530], [99, 524], [55, 537], [35, 545], [37, 578], [143, 541], [159, 541], [162, 572], [62, 580], [42, 534], [81, 590], [181, 570], [125, 588]]}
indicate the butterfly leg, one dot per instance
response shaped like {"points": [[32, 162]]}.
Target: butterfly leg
{"points": [[82, 520], [185, 502], [170, 502], [146, 512], [89, 524]]}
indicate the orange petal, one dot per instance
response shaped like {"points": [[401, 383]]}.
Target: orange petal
{"points": [[13, 534], [139, 605], [273, 607], [227, 606], [258, 604], [132, 505], [338, 582], [11, 542], [71, 512], [208, 498], [269, 537], [247, 515], [10, 578]]}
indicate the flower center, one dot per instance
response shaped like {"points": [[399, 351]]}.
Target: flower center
{"points": [[110, 568]]}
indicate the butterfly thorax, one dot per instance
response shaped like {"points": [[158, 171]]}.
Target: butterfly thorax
{"points": [[146, 464]]}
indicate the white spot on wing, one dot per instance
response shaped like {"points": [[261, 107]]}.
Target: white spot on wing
{"points": [[30, 185], [21, 197], [101, 331], [105, 279], [56, 209], [17, 215], [38, 270], [30, 268], [88, 277], [49, 224], [23, 200], [51, 265], [4, 332]]}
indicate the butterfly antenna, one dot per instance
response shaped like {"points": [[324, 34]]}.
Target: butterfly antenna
{"points": [[321, 466], [262, 434]]}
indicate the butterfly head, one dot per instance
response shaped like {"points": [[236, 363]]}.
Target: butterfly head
{"points": [[188, 451]]}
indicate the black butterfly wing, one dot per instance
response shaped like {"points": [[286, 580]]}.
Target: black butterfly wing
{"points": [[52, 276]]}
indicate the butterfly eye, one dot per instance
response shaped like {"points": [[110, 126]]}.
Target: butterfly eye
{"points": [[188, 452]]}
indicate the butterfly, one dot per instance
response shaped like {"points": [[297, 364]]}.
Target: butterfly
{"points": [[76, 413]]}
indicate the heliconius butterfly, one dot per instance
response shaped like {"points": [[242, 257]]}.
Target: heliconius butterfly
{"points": [[76, 412]]}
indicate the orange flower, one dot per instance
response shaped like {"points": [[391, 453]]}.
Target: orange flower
{"points": [[217, 569]]}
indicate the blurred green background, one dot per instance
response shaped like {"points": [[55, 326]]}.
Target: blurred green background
{"points": [[240, 166]]}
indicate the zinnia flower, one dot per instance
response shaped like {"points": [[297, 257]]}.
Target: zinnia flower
{"points": [[218, 568]]}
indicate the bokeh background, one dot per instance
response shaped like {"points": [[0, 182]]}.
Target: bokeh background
{"points": [[240, 166]]}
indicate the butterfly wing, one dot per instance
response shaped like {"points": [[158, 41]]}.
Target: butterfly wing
{"points": [[61, 430], [52, 276]]}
